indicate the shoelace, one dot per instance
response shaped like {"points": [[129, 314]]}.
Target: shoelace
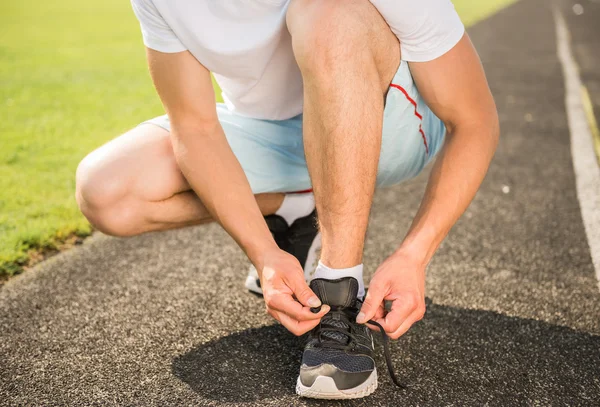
{"points": [[351, 314]]}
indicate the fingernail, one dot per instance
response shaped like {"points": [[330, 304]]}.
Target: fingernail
{"points": [[360, 318], [314, 302]]}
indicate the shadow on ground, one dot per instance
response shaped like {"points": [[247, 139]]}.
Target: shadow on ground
{"points": [[454, 356]]}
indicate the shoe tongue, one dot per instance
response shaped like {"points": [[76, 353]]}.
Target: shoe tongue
{"points": [[338, 293]]}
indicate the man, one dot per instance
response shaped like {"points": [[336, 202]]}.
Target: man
{"points": [[336, 97]]}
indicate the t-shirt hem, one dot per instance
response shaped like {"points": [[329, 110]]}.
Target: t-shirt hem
{"points": [[166, 48], [431, 54]]}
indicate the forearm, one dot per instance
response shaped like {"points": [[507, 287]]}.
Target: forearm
{"points": [[453, 183], [214, 173]]}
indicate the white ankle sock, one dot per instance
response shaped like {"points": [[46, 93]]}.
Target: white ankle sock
{"points": [[323, 271], [295, 206]]}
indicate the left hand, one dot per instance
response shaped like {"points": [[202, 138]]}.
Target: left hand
{"points": [[400, 279]]}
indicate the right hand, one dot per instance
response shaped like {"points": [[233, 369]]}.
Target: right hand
{"points": [[287, 296]]}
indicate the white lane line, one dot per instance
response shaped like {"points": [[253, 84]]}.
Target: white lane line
{"points": [[587, 173]]}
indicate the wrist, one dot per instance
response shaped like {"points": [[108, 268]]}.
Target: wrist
{"points": [[421, 242], [258, 249], [416, 251]]}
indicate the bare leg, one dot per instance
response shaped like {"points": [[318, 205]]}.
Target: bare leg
{"points": [[348, 56], [133, 185]]}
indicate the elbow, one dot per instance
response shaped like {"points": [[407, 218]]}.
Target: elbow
{"points": [[191, 139], [494, 127], [484, 127], [186, 133]]}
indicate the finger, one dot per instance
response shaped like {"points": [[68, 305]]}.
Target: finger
{"points": [[286, 304], [301, 290], [402, 308], [372, 303], [406, 325], [296, 327], [380, 313]]}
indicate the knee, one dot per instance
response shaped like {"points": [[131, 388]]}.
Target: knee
{"points": [[102, 197], [326, 34]]}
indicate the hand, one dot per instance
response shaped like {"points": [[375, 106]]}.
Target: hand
{"points": [[400, 279], [287, 296]]}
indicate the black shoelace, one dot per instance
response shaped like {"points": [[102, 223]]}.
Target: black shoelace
{"points": [[351, 313]]}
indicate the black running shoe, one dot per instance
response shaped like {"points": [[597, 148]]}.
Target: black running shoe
{"points": [[302, 240], [338, 360]]}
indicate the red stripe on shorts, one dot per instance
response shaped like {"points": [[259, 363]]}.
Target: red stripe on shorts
{"points": [[414, 103]]}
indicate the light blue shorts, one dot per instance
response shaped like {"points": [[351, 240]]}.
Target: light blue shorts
{"points": [[272, 153]]}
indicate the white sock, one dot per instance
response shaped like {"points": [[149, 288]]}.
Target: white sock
{"points": [[295, 206], [323, 271]]}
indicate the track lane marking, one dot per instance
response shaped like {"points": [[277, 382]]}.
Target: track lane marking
{"points": [[587, 172], [589, 112]]}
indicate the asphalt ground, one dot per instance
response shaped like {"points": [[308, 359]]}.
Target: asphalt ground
{"points": [[514, 319]]}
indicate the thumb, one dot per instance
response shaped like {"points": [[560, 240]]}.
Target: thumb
{"points": [[374, 299], [302, 291]]}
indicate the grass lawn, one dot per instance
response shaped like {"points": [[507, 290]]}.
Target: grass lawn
{"points": [[72, 76]]}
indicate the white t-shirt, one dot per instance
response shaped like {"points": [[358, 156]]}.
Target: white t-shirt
{"points": [[247, 46]]}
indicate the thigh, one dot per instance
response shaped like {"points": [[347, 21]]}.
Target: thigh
{"points": [[270, 152], [140, 161], [412, 134], [359, 31]]}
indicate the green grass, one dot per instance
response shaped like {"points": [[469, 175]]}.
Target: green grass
{"points": [[72, 76], [473, 11]]}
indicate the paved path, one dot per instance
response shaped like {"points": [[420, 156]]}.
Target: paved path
{"points": [[163, 319]]}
